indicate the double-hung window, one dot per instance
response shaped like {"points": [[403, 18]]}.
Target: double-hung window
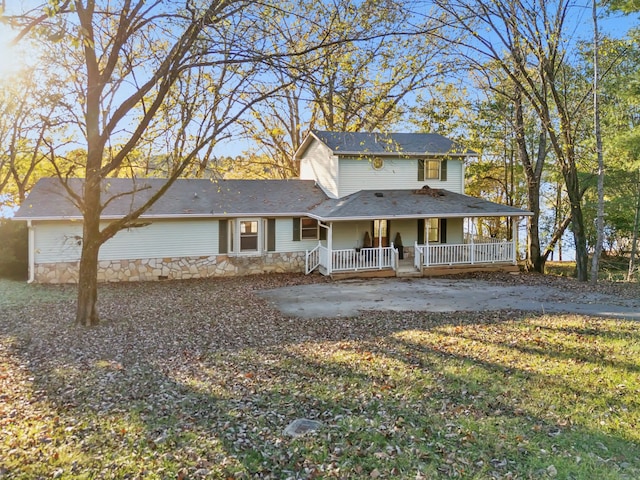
{"points": [[432, 169], [308, 228], [249, 235], [432, 227]]}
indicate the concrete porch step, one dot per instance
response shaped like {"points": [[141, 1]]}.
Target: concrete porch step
{"points": [[405, 273], [406, 268]]}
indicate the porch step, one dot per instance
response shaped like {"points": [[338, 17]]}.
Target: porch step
{"points": [[407, 269], [413, 273]]}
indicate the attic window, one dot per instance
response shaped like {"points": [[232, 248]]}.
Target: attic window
{"points": [[377, 163], [379, 194]]}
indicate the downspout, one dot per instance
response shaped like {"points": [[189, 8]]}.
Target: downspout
{"points": [[31, 247]]}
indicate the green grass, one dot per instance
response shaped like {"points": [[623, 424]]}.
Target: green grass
{"points": [[611, 269], [401, 395], [20, 293]]}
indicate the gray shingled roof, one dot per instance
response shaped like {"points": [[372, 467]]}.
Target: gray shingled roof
{"points": [[186, 197], [358, 143], [205, 198], [372, 204]]}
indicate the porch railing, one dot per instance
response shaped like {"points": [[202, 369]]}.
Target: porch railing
{"points": [[312, 259], [352, 259], [491, 251]]}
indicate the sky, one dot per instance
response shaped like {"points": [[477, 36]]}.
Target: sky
{"points": [[616, 25]]}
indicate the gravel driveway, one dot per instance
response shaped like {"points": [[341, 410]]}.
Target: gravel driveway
{"points": [[524, 292]]}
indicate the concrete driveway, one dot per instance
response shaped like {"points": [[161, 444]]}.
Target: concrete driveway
{"points": [[349, 297]]}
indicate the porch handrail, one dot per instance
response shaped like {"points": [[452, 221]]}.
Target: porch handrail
{"points": [[312, 259], [418, 255]]}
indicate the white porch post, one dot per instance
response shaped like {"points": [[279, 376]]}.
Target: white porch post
{"points": [[472, 250], [426, 243], [330, 248], [514, 237], [379, 244]]}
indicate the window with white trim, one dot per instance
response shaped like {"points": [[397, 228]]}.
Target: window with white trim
{"points": [[249, 235]]}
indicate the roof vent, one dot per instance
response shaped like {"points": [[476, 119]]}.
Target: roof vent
{"points": [[379, 194]]}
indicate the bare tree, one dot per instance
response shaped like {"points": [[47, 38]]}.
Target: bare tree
{"points": [[366, 84], [29, 103], [177, 77], [526, 41]]}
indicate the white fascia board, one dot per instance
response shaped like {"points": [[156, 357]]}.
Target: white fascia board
{"points": [[409, 217], [402, 154], [169, 217], [305, 144]]}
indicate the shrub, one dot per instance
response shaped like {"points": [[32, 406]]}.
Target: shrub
{"points": [[14, 252]]}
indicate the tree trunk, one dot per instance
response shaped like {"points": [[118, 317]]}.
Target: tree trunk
{"points": [[536, 261], [595, 264], [634, 237], [87, 312], [572, 182], [580, 240]]}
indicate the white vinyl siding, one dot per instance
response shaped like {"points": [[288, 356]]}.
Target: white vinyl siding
{"points": [[320, 165], [408, 231], [455, 232], [396, 174], [284, 238], [349, 234], [58, 241]]}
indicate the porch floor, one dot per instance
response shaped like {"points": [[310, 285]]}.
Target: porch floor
{"points": [[406, 269]]}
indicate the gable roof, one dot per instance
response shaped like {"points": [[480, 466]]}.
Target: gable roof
{"points": [[384, 144], [194, 198], [185, 198], [423, 203]]}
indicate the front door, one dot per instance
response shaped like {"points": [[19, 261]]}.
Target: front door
{"points": [[380, 232]]}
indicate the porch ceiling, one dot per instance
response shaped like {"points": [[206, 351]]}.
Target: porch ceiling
{"points": [[424, 203]]}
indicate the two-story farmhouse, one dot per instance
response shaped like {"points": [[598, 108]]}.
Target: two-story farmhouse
{"points": [[365, 203]]}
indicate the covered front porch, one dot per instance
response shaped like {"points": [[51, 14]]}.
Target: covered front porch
{"points": [[413, 233], [475, 253]]}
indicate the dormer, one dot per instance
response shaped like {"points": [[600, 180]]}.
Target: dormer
{"points": [[343, 163]]}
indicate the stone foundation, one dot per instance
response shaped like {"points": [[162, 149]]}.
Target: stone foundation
{"points": [[174, 268]]}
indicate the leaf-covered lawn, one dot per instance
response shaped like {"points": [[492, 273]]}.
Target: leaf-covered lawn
{"points": [[199, 379]]}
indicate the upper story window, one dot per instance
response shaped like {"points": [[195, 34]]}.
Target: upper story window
{"points": [[308, 228], [430, 169]]}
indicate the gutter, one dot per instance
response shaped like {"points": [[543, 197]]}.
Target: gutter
{"points": [[178, 216], [415, 216], [31, 246]]}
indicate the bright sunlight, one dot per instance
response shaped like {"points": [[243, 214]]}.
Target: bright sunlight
{"points": [[12, 58]]}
